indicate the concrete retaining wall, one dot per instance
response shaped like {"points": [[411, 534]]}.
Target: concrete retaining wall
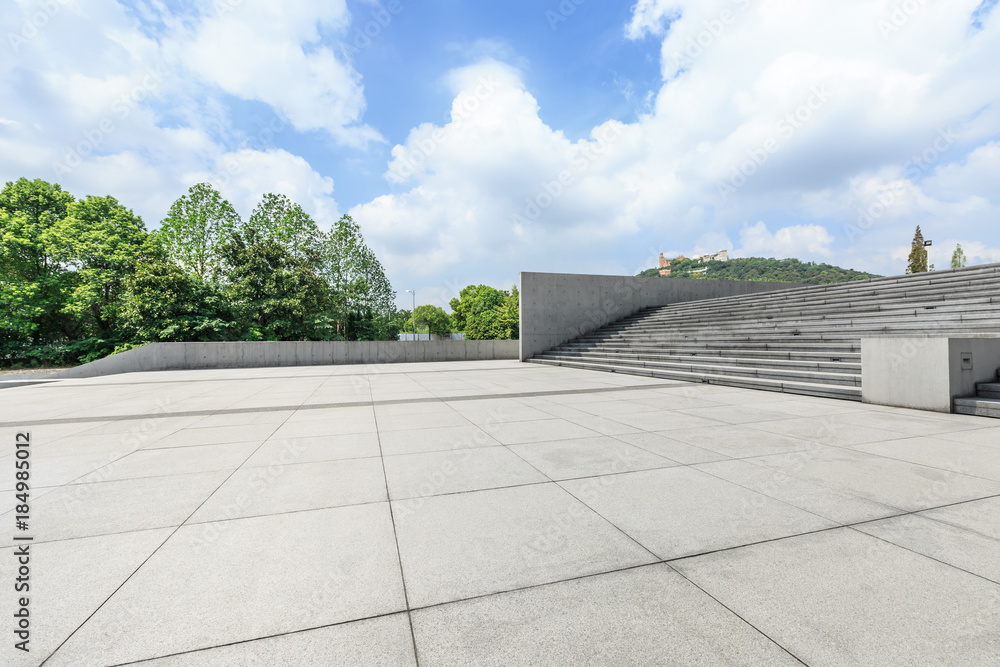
{"points": [[558, 307], [193, 356], [926, 373]]}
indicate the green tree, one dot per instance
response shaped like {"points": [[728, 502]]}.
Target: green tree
{"points": [[278, 217], [278, 295], [434, 319], [105, 243], [918, 254], [486, 313], [958, 260], [163, 303], [358, 284], [33, 285], [195, 227]]}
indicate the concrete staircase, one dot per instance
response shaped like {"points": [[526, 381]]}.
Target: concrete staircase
{"points": [[986, 403], [804, 340]]}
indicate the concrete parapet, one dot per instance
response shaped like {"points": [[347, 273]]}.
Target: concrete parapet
{"points": [[558, 307], [196, 356], [926, 373]]}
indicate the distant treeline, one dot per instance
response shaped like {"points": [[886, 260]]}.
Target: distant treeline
{"points": [[760, 269]]}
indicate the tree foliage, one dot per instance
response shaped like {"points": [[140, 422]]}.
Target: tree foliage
{"points": [[278, 218], [759, 269], [432, 318], [33, 285], [105, 243], [358, 284], [917, 262], [80, 279], [162, 303], [486, 313], [958, 259], [195, 228], [277, 294]]}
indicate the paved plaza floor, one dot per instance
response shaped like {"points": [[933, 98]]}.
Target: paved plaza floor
{"points": [[494, 513]]}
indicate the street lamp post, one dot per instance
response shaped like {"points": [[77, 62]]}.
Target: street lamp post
{"points": [[414, 293]]}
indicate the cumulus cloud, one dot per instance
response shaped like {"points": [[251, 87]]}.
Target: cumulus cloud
{"points": [[134, 101], [846, 117], [801, 241], [839, 126], [496, 182], [271, 52]]}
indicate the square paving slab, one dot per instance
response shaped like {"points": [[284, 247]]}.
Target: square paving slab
{"points": [[494, 513]]}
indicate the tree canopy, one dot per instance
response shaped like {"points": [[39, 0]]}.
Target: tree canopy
{"points": [[196, 226], [82, 278], [486, 313], [958, 259], [759, 269], [917, 262]]}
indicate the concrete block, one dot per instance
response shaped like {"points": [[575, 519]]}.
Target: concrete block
{"points": [[192, 356], [926, 373]]}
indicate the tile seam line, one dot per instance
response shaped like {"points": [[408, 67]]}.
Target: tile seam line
{"points": [[737, 615], [395, 538], [592, 575], [928, 556], [155, 551], [395, 613], [899, 514], [320, 406]]}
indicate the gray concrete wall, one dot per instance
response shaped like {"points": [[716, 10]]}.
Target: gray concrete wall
{"points": [[193, 356], [558, 307], [925, 373]]}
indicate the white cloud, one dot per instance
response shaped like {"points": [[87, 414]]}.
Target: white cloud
{"points": [[821, 107], [496, 190], [799, 241], [244, 176], [271, 52], [140, 109], [496, 182]]}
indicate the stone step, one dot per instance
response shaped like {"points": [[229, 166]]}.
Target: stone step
{"points": [[991, 314], [872, 319], [804, 388], [980, 407], [804, 339], [840, 355], [827, 366], [699, 368], [988, 390], [981, 295]]}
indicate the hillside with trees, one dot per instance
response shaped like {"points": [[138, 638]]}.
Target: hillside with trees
{"points": [[84, 278], [762, 270]]}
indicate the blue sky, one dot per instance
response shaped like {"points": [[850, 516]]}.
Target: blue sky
{"points": [[475, 140]]}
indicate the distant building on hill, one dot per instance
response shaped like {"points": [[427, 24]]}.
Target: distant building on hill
{"points": [[721, 256], [665, 264]]}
